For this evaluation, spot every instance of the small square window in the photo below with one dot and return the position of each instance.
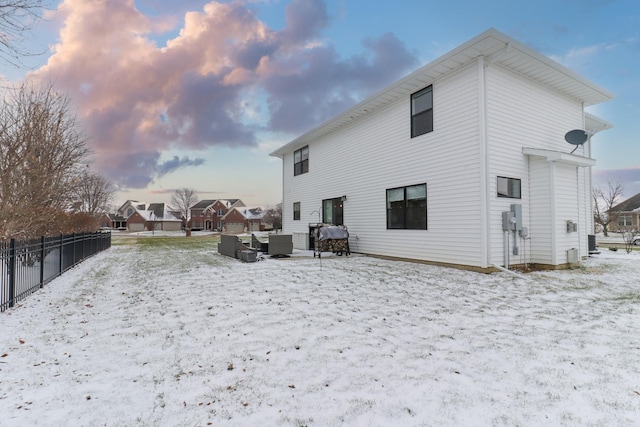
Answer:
(509, 188)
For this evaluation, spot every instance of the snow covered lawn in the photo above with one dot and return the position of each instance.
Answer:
(174, 334)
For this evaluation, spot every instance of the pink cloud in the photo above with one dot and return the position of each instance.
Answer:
(138, 100)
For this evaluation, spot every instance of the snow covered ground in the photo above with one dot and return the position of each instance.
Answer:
(177, 335)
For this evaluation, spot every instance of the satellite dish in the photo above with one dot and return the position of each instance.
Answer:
(576, 137)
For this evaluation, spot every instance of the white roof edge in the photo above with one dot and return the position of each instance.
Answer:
(595, 123)
(605, 94)
(490, 42)
(559, 157)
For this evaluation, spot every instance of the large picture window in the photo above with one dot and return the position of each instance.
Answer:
(407, 207)
(422, 112)
(301, 161)
(509, 187)
(296, 211)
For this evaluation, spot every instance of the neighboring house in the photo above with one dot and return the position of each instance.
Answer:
(244, 219)
(198, 219)
(130, 212)
(118, 222)
(208, 214)
(625, 215)
(137, 221)
(105, 220)
(161, 217)
(155, 216)
(129, 207)
(428, 168)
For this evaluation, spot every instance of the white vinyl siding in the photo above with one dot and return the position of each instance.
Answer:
(521, 113)
(540, 231)
(376, 152)
(365, 159)
(566, 191)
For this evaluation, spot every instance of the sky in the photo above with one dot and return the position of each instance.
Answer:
(196, 93)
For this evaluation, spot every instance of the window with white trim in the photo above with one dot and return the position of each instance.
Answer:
(625, 221)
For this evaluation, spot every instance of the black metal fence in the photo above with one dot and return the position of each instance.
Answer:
(27, 265)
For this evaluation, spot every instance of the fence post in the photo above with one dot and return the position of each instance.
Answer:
(42, 261)
(61, 251)
(12, 273)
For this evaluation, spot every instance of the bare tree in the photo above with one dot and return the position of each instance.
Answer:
(181, 201)
(604, 201)
(17, 17)
(274, 216)
(41, 147)
(93, 192)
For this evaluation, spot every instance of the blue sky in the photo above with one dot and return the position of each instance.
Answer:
(193, 93)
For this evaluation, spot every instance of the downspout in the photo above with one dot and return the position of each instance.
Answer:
(511, 272)
(554, 237)
(589, 190)
(283, 207)
(485, 206)
(579, 208)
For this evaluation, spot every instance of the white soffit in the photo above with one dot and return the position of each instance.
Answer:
(559, 157)
(595, 123)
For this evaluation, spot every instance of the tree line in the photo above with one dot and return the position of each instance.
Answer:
(46, 185)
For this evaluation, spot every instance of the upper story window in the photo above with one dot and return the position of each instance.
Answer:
(422, 112)
(509, 187)
(301, 161)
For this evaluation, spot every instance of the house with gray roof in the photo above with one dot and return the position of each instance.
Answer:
(208, 214)
(625, 215)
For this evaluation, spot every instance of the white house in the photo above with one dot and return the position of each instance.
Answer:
(435, 166)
